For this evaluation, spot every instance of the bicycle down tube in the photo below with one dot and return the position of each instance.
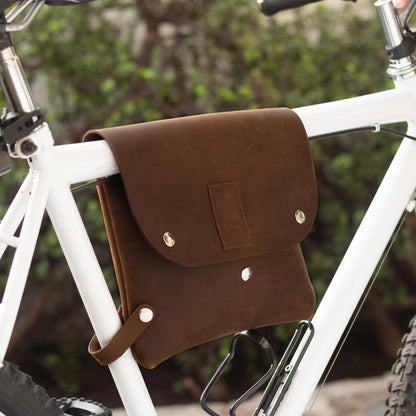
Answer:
(354, 274)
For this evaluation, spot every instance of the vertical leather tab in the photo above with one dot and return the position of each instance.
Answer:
(229, 215)
(122, 341)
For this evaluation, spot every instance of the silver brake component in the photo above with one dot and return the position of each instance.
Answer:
(18, 10)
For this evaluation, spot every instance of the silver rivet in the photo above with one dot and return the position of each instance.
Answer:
(246, 274)
(169, 239)
(300, 216)
(145, 314)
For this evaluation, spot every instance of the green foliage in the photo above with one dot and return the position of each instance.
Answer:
(118, 62)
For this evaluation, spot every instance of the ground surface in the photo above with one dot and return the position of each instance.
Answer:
(351, 397)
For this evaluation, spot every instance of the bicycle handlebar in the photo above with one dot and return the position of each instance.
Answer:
(270, 7)
(5, 4)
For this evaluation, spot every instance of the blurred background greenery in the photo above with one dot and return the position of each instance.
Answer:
(123, 61)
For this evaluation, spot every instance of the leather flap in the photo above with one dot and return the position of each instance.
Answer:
(216, 187)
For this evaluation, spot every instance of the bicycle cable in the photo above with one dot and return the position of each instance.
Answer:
(374, 129)
(92, 183)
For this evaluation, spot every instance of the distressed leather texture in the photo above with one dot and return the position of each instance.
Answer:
(226, 187)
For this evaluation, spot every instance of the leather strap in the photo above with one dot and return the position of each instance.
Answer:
(122, 340)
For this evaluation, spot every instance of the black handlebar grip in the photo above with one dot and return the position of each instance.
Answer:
(270, 7)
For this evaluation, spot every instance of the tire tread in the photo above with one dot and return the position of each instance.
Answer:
(402, 389)
(19, 394)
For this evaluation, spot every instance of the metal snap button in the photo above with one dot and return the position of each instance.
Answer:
(300, 216)
(246, 273)
(145, 314)
(169, 239)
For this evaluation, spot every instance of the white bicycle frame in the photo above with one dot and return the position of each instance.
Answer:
(53, 169)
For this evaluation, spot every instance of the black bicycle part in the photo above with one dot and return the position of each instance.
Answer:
(402, 394)
(16, 128)
(271, 7)
(95, 182)
(283, 375)
(5, 4)
(5, 38)
(406, 48)
(264, 344)
(20, 396)
(75, 406)
(278, 376)
(66, 2)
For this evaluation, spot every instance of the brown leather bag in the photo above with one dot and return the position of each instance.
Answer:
(204, 228)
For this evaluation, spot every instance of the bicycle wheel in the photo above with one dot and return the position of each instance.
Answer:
(402, 389)
(20, 396)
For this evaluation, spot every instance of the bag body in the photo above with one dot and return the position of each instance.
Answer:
(204, 227)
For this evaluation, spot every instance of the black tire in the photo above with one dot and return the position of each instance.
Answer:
(402, 389)
(20, 396)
